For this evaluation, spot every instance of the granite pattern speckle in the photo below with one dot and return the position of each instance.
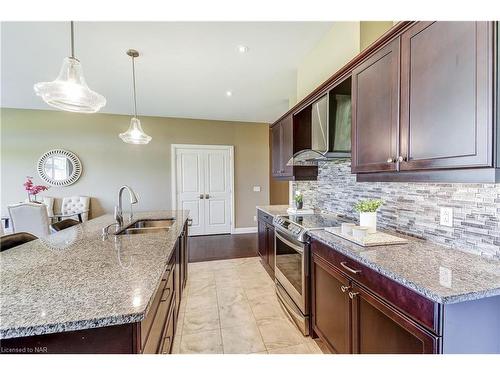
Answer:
(75, 280)
(274, 210)
(439, 273)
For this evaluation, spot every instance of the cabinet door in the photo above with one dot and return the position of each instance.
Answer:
(446, 95)
(378, 328)
(262, 239)
(375, 111)
(276, 150)
(270, 246)
(186, 256)
(331, 306)
(177, 275)
(287, 146)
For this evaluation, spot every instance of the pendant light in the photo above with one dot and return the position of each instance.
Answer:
(69, 91)
(135, 135)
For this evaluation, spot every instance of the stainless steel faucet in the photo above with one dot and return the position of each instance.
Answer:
(119, 209)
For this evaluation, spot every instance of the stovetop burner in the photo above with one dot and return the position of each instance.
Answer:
(315, 221)
(296, 226)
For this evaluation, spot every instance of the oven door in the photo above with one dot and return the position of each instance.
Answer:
(290, 268)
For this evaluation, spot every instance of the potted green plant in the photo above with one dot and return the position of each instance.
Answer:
(299, 200)
(368, 213)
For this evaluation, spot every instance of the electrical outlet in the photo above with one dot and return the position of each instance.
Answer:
(255, 218)
(445, 277)
(446, 217)
(256, 188)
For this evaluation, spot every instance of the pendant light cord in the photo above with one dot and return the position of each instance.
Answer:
(72, 41)
(133, 78)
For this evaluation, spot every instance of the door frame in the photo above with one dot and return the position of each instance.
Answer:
(173, 168)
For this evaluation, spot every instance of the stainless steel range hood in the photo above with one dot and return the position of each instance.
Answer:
(330, 130)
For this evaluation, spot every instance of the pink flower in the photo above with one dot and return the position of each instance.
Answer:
(28, 184)
(33, 189)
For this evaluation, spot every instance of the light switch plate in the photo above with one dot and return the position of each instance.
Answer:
(255, 218)
(446, 216)
(256, 188)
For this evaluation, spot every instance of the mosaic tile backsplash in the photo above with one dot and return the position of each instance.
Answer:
(414, 208)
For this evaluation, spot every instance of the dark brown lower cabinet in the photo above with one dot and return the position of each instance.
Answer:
(262, 239)
(351, 319)
(265, 233)
(378, 328)
(328, 297)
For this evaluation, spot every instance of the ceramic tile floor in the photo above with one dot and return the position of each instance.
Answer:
(230, 306)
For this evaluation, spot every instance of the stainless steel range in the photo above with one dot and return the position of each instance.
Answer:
(291, 248)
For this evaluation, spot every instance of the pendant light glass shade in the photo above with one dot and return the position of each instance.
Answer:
(135, 135)
(69, 91)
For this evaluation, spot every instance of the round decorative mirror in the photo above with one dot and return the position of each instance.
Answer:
(59, 167)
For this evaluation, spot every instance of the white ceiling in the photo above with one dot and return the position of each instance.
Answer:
(184, 69)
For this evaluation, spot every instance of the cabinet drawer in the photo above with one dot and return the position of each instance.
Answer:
(161, 294)
(413, 304)
(153, 341)
(264, 217)
(168, 334)
(168, 291)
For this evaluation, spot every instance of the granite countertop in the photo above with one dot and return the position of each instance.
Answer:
(274, 210)
(75, 280)
(442, 274)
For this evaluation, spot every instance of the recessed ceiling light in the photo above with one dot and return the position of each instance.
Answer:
(229, 93)
(242, 49)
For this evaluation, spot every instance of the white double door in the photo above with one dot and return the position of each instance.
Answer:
(203, 186)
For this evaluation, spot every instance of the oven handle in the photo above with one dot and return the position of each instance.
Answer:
(297, 248)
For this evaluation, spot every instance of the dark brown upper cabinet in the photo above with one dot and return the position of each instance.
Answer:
(424, 105)
(375, 111)
(288, 136)
(276, 142)
(282, 147)
(446, 95)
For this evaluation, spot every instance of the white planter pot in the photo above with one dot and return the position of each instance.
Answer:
(368, 219)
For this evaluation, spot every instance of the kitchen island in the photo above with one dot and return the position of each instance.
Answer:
(78, 292)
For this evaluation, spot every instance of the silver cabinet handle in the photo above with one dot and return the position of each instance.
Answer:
(351, 270)
(344, 288)
(391, 160)
(207, 196)
(201, 196)
(353, 294)
(401, 159)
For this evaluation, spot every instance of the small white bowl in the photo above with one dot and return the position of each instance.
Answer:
(360, 233)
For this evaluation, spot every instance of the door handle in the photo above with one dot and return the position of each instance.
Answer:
(201, 196)
(353, 294)
(352, 270)
(207, 196)
(344, 288)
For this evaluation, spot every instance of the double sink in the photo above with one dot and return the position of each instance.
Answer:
(148, 226)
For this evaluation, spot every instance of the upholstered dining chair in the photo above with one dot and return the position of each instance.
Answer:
(30, 217)
(76, 204)
(49, 203)
(15, 239)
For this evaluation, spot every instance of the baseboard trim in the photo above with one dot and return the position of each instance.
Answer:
(244, 230)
